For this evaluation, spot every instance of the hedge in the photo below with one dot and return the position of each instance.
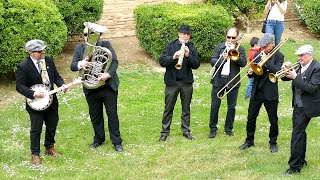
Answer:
(309, 12)
(75, 12)
(23, 20)
(157, 25)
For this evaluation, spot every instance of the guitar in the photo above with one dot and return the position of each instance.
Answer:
(43, 103)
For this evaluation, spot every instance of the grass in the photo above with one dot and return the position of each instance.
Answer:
(141, 103)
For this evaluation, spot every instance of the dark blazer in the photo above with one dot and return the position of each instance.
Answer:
(262, 82)
(78, 54)
(189, 63)
(28, 75)
(234, 65)
(309, 83)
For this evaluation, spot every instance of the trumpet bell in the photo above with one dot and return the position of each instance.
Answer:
(257, 69)
(272, 78)
(178, 66)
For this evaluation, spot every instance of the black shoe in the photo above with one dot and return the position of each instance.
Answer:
(118, 147)
(290, 172)
(212, 134)
(163, 138)
(305, 163)
(188, 136)
(95, 145)
(245, 146)
(229, 133)
(273, 148)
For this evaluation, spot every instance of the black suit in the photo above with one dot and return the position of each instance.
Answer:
(28, 75)
(265, 92)
(106, 95)
(219, 81)
(307, 86)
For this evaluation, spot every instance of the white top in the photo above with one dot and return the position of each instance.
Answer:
(275, 13)
(226, 67)
(305, 67)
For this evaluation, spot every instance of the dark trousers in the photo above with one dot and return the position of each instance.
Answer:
(253, 112)
(171, 94)
(96, 98)
(300, 122)
(215, 106)
(50, 118)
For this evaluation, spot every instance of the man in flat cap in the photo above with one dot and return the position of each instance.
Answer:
(305, 102)
(179, 57)
(39, 70)
(264, 92)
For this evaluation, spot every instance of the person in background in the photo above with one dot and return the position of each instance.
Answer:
(253, 49)
(178, 79)
(40, 69)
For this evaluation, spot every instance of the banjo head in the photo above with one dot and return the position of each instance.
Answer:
(40, 104)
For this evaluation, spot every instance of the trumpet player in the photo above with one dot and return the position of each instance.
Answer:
(305, 101)
(178, 79)
(229, 69)
(264, 92)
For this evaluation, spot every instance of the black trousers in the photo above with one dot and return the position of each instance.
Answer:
(215, 106)
(171, 94)
(50, 118)
(300, 122)
(253, 112)
(96, 98)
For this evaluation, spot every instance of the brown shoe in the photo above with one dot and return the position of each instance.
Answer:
(52, 152)
(35, 159)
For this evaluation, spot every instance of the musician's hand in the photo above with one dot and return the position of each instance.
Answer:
(176, 55)
(225, 56)
(286, 65)
(250, 71)
(104, 76)
(38, 94)
(64, 88)
(291, 75)
(263, 56)
(186, 51)
(85, 64)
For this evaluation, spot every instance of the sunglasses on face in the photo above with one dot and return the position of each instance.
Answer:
(86, 34)
(231, 37)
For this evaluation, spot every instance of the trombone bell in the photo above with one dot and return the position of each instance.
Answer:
(256, 68)
(233, 54)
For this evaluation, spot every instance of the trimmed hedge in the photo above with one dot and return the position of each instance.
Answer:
(23, 20)
(309, 12)
(157, 24)
(75, 12)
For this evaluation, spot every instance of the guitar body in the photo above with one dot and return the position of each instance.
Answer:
(40, 104)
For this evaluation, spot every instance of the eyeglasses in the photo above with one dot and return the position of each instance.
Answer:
(38, 51)
(86, 34)
(229, 37)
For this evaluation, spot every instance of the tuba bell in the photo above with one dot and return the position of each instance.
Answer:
(100, 57)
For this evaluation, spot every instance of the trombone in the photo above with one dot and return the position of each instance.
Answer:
(251, 67)
(282, 73)
(233, 54)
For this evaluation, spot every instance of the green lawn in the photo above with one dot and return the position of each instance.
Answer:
(141, 102)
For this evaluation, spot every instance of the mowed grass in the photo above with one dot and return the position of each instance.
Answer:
(140, 106)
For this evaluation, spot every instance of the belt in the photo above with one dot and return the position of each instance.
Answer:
(224, 76)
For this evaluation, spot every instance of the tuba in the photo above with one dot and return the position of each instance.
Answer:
(100, 57)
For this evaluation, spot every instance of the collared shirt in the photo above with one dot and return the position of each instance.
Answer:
(35, 62)
(305, 67)
(226, 67)
(275, 13)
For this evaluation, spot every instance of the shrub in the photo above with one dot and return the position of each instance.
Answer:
(23, 20)
(309, 11)
(75, 12)
(157, 25)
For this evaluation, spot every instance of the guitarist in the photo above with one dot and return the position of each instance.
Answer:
(39, 69)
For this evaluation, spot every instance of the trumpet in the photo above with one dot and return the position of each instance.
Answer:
(233, 54)
(282, 73)
(223, 92)
(181, 56)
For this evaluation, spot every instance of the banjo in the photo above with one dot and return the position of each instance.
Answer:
(43, 103)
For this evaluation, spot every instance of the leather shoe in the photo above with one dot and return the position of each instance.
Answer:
(52, 152)
(35, 159)
(188, 136)
(212, 134)
(95, 145)
(118, 147)
(273, 148)
(245, 146)
(229, 133)
(163, 138)
(290, 172)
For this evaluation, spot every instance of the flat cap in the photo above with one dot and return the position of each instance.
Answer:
(305, 49)
(185, 29)
(266, 39)
(35, 45)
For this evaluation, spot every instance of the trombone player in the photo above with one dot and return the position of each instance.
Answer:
(264, 91)
(229, 69)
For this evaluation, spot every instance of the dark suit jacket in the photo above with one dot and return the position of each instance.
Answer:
(78, 54)
(262, 82)
(234, 65)
(28, 75)
(189, 63)
(309, 83)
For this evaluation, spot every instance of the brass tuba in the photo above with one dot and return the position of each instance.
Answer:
(100, 57)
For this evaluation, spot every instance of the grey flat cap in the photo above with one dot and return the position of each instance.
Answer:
(266, 39)
(35, 45)
(305, 49)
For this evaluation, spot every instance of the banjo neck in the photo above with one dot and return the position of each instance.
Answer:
(76, 81)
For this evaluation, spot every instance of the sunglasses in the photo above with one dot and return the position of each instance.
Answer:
(229, 37)
(38, 51)
(86, 34)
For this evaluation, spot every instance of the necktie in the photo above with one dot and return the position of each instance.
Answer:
(39, 66)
